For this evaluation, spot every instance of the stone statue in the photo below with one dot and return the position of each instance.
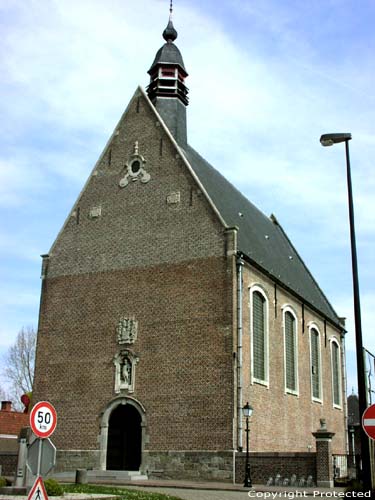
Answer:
(126, 371)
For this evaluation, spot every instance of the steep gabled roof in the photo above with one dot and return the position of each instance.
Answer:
(261, 239)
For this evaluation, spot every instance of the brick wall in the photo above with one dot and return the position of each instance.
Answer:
(8, 462)
(163, 264)
(266, 465)
(282, 421)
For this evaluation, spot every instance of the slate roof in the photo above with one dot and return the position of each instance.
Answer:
(260, 238)
(168, 54)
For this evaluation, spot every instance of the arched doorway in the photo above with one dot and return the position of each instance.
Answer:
(124, 438)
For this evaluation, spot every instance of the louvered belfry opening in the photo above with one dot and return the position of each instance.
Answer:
(168, 80)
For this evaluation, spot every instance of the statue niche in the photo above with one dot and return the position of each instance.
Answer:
(125, 362)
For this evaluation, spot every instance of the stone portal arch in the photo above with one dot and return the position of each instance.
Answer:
(119, 413)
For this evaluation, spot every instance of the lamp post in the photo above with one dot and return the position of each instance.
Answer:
(351, 433)
(247, 412)
(329, 140)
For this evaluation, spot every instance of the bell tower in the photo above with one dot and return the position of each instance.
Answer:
(167, 90)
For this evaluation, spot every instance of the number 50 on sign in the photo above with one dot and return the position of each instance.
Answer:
(43, 419)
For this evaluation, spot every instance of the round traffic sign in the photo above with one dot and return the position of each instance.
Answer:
(368, 421)
(43, 419)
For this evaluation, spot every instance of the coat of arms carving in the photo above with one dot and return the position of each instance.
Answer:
(127, 330)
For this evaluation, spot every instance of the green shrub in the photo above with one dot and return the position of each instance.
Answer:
(53, 488)
(3, 482)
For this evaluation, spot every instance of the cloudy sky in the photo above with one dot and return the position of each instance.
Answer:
(267, 78)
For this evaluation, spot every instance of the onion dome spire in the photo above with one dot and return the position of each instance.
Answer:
(170, 34)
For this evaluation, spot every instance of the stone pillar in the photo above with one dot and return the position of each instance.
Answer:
(103, 440)
(324, 466)
(20, 479)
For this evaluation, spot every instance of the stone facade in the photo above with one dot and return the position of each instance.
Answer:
(193, 465)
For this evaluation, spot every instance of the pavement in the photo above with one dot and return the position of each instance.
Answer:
(188, 490)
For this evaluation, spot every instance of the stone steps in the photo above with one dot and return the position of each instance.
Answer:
(102, 475)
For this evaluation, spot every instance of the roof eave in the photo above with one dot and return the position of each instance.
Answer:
(280, 283)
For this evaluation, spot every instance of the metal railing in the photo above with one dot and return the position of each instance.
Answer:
(346, 467)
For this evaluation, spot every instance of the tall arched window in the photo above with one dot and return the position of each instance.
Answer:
(336, 373)
(290, 352)
(259, 335)
(316, 389)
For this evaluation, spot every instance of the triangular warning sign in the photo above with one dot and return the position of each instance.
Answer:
(38, 491)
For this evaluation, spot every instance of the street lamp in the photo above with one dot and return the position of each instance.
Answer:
(247, 412)
(329, 140)
(351, 432)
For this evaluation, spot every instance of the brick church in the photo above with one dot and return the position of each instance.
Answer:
(169, 301)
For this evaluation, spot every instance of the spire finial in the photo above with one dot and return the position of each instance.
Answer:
(170, 34)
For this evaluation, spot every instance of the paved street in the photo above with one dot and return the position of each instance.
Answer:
(194, 494)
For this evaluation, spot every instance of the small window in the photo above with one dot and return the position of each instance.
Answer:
(259, 341)
(290, 352)
(336, 373)
(315, 364)
(135, 166)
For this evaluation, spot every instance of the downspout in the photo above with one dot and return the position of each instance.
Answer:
(240, 265)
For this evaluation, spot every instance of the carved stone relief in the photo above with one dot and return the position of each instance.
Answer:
(127, 330)
(135, 169)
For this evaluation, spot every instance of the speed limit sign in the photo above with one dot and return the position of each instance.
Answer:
(43, 419)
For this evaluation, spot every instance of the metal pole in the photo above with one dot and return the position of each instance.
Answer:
(353, 445)
(39, 457)
(365, 450)
(247, 482)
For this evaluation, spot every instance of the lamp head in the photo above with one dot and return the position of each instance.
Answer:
(247, 410)
(331, 139)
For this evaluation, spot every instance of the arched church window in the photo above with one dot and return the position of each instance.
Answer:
(315, 363)
(290, 352)
(259, 335)
(336, 373)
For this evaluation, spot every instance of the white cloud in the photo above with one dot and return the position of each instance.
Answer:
(263, 90)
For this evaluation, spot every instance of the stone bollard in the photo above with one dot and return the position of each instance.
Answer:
(324, 468)
(81, 476)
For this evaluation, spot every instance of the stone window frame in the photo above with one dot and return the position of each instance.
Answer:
(333, 340)
(313, 326)
(254, 380)
(288, 309)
